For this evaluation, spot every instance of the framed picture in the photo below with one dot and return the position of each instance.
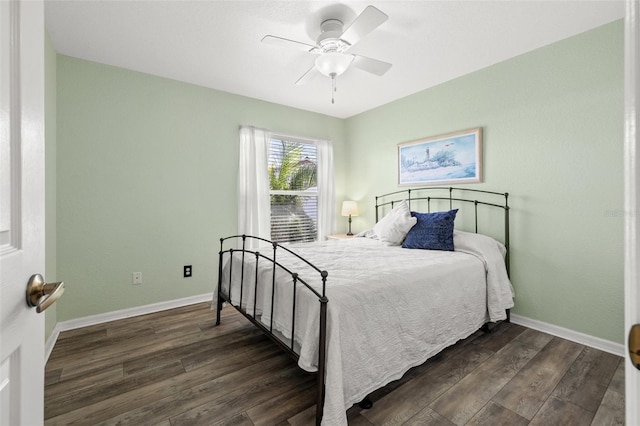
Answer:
(451, 158)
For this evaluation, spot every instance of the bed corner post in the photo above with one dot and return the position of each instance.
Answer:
(506, 233)
(218, 296)
(506, 241)
(322, 343)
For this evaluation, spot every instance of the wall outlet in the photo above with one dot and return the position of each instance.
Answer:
(137, 278)
(187, 271)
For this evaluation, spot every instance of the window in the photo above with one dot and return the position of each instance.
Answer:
(293, 189)
(285, 183)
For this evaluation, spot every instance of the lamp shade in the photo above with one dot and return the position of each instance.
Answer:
(349, 208)
(333, 64)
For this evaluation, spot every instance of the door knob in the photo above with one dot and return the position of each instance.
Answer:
(41, 294)
(634, 345)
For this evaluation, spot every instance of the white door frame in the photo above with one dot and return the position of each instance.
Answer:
(632, 200)
(22, 209)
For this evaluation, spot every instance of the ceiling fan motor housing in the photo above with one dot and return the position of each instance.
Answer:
(329, 39)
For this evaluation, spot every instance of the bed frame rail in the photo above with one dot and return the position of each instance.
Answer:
(296, 281)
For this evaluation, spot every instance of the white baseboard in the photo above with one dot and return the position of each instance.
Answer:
(117, 315)
(51, 342)
(574, 336)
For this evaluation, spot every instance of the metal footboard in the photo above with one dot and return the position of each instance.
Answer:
(250, 314)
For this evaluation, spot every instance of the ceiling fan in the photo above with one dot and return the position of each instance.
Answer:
(333, 45)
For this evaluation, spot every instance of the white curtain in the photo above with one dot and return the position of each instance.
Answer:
(326, 191)
(254, 207)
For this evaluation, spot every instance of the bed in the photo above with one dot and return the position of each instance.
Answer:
(361, 312)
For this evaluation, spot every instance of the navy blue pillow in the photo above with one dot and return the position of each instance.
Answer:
(433, 231)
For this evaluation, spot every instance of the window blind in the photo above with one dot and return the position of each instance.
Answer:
(293, 190)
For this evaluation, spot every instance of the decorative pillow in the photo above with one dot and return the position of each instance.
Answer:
(393, 228)
(434, 231)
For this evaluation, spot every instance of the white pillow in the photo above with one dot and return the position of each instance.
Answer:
(393, 228)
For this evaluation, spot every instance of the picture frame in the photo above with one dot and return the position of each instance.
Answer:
(445, 159)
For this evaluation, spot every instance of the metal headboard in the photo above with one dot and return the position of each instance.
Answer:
(477, 197)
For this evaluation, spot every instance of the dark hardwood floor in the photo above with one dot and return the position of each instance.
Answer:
(175, 367)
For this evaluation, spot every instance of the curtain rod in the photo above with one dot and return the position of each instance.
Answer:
(284, 135)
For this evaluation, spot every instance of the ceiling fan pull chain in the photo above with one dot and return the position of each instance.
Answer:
(333, 87)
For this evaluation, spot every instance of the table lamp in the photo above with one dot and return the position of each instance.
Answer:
(349, 208)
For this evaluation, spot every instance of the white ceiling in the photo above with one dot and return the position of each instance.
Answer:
(217, 44)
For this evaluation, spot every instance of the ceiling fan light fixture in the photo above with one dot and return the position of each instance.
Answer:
(333, 64)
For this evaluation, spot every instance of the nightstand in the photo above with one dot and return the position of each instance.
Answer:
(339, 236)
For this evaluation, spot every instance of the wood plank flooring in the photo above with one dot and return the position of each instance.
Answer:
(176, 368)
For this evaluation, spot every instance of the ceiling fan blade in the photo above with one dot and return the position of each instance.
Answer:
(373, 66)
(285, 42)
(370, 19)
(309, 75)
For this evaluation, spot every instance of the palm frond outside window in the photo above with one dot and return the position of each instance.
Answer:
(293, 190)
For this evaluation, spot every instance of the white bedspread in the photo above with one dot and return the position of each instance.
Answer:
(389, 308)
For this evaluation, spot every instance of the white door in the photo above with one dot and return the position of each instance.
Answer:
(632, 200)
(21, 209)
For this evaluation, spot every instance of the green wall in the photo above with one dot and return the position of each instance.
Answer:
(553, 139)
(147, 181)
(146, 175)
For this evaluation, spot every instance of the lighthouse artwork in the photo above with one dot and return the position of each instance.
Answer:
(451, 158)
